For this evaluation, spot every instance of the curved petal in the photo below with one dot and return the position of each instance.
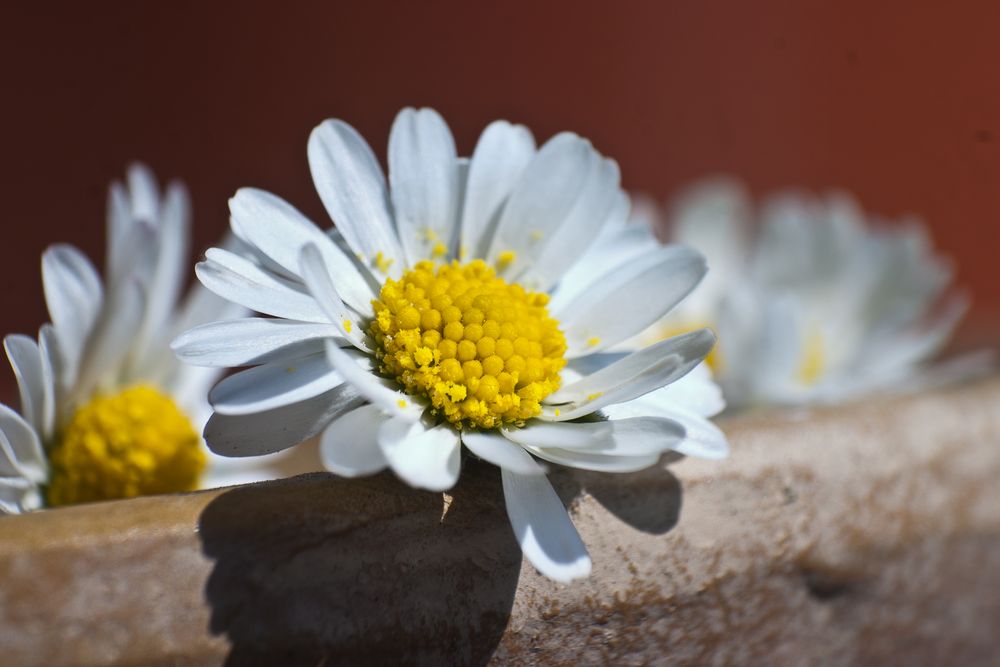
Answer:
(701, 438)
(280, 428)
(561, 248)
(26, 457)
(111, 340)
(375, 389)
(54, 378)
(239, 280)
(349, 446)
(144, 193)
(501, 155)
(423, 175)
(250, 341)
(695, 392)
(584, 460)
(501, 452)
(317, 279)
(630, 300)
(18, 495)
(542, 527)
(687, 349)
(73, 294)
(273, 385)
(119, 218)
(279, 230)
(426, 458)
(611, 252)
(350, 182)
(632, 436)
(25, 358)
(542, 200)
(169, 271)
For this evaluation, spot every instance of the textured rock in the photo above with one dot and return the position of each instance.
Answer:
(860, 535)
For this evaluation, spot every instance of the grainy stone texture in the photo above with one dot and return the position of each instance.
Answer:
(863, 535)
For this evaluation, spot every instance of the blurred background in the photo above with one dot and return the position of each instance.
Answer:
(897, 102)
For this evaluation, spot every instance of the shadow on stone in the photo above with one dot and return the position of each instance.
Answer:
(648, 500)
(322, 570)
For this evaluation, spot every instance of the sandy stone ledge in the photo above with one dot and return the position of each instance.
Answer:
(863, 535)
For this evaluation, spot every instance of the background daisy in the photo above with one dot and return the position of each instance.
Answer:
(813, 301)
(425, 321)
(106, 409)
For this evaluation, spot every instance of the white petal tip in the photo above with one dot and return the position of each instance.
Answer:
(566, 573)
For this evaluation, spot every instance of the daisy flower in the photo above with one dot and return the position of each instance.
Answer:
(812, 301)
(441, 312)
(106, 409)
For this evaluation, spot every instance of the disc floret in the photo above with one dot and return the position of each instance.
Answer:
(483, 352)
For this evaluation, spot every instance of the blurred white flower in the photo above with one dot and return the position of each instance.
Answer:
(812, 301)
(106, 409)
(424, 323)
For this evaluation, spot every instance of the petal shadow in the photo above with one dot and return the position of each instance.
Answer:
(648, 500)
(321, 570)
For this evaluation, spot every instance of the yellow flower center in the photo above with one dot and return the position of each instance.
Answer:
(132, 443)
(813, 361)
(482, 352)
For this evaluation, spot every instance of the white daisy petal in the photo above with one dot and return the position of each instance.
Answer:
(237, 279)
(695, 392)
(144, 194)
(501, 155)
(426, 458)
(73, 294)
(661, 373)
(250, 341)
(280, 428)
(377, 390)
(200, 306)
(501, 452)
(702, 438)
(630, 299)
(350, 182)
(109, 344)
(543, 528)
(349, 446)
(541, 201)
(53, 378)
(689, 349)
(17, 494)
(26, 361)
(279, 230)
(317, 280)
(24, 449)
(584, 460)
(915, 346)
(611, 251)
(274, 385)
(171, 265)
(423, 174)
(562, 248)
(634, 436)
(119, 219)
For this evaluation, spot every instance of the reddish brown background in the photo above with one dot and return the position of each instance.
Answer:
(895, 102)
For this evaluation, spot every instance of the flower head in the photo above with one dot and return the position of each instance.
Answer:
(444, 310)
(813, 301)
(106, 409)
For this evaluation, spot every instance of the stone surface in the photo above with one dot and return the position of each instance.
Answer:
(860, 535)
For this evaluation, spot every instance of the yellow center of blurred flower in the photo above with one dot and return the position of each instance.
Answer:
(813, 361)
(132, 443)
(483, 352)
